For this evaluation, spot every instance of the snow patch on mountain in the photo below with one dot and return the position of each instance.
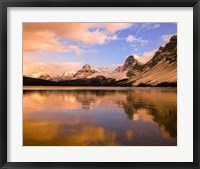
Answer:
(40, 75)
(87, 71)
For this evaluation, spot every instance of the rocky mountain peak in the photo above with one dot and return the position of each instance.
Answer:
(173, 38)
(171, 45)
(130, 57)
(130, 61)
(130, 68)
(161, 48)
(87, 66)
(40, 75)
(87, 71)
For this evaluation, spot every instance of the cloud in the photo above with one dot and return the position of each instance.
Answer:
(109, 68)
(147, 26)
(165, 38)
(112, 38)
(114, 27)
(46, 41)
(52, 69)
(156, 26)
(132, 39)
(45, 36)
(146, 56)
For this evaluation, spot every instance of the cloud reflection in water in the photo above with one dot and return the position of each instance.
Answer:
(128, 117)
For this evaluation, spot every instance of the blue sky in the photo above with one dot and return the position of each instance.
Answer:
(97, 44)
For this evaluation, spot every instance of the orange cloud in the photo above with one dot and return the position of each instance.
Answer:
(45, 36)
(46, 41)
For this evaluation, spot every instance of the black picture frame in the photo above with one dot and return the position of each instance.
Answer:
(4, 4)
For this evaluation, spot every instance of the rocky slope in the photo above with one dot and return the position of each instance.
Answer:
(162, 68)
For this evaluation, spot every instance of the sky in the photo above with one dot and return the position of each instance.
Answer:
(56, 48)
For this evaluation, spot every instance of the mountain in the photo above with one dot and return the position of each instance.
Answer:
(88, 75)
(131, 67)
(40, 75)
(68, 75)
(63, 76)
(95, 81)
(161, 69)
(165, 54)
(87, 71)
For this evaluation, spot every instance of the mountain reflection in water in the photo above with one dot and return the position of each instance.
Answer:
(81, 116)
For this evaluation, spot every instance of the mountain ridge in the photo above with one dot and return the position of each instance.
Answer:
(160, 70)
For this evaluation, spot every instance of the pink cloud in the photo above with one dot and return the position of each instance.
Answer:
(45, 36)
(46, 41)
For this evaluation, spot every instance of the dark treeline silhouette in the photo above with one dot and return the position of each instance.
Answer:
(97, 81)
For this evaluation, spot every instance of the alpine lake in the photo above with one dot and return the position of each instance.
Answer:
(99, 116)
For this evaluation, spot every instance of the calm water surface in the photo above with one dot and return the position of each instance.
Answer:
(99, 116)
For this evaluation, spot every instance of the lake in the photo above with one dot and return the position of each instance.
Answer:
(99, 116)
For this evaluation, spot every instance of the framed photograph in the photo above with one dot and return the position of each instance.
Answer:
(100, 84)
